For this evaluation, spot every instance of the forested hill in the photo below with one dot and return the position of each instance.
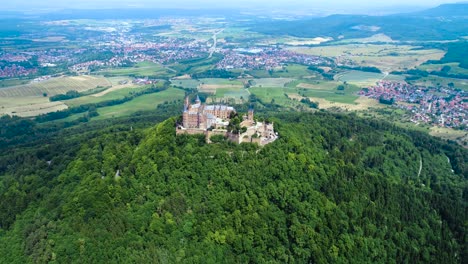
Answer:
(332, 189)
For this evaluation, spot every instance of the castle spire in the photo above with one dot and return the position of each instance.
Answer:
(186, 103)
(197, 101)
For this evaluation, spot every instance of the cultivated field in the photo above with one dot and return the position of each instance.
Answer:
(143, 69)
(213, 88)
(112, 95)
(451, 134)
(366, 78)
(360, 104)
(385, 57)
(436, 81)
(55, 86)
(454, 68)
(28, 106)
(235, 95)
(271, 82)
(141, 103)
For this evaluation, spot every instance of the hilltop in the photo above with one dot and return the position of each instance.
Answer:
(332, 188)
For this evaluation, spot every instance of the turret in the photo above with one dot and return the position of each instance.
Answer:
(197, 101)
(250, 115)
(186, 103)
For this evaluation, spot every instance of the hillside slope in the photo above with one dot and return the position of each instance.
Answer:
(332, 189)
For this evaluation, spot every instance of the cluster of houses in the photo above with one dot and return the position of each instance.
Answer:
(437, 105)
(16, 71)
(263, 58)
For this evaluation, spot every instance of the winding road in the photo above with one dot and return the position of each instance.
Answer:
(215, 42)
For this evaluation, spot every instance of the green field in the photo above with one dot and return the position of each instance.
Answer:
(55, 86)
(196, 65)
(13, 82)
(142, 69)
(110, 96)
(366, 78)
(454, 68)
(225, 94)
(194, 84)
(437, 81)
(333, 96)
(141, 103)
(290, 71)
(274, 95)
(271, 82)
(387, 57)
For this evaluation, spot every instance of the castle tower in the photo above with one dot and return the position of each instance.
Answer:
(185, 119)
(197, 101)
(250, 115)
(186, 103)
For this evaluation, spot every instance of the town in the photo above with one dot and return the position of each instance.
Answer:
(442, 106)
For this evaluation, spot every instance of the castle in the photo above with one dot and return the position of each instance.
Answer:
(212, 120)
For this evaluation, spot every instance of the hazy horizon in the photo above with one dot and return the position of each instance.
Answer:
(26, 5)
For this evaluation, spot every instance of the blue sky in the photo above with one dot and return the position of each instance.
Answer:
(291, 4)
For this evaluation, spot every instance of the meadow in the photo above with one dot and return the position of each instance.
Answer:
(55, 86)
(118, 94)
(28, 106)
(366, 78)
(141, 103)
(142, 69)
(271, 82)
(454, 68)
(436, 81)
(386, 57)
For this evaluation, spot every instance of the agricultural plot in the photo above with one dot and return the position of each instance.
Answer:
(55, 86)
(290, 71)
(366, 78)
(28, 106)
(328, 90)
(117, 94)
(454, 68)
(271, 82)
(332, 96)
(274, 95)
(143, 69)
(360, 104)
(436, 81)
(450, 134)
(141, 103)
(238, 95)
(385, 57)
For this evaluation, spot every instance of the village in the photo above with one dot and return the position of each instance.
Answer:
(442, 106)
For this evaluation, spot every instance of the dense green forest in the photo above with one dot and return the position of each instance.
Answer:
(332, 189)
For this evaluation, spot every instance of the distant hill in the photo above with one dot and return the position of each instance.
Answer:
(423, 26)
(446, 10)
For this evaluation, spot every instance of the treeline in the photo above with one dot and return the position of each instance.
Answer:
(362, 68)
